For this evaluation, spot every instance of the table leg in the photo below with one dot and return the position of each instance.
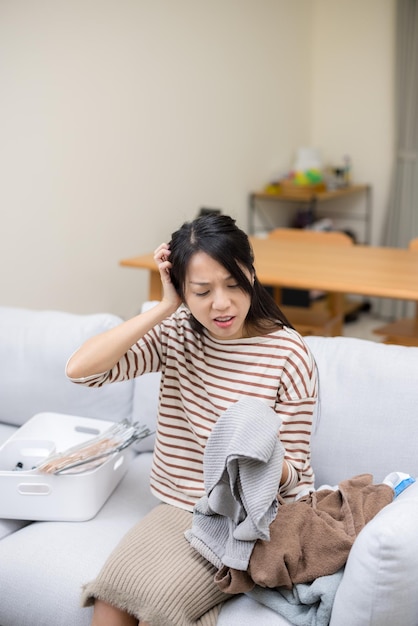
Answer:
(336, 307)
(277, 295)
(155, 288)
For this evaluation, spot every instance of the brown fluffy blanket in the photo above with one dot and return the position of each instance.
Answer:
(311, 537)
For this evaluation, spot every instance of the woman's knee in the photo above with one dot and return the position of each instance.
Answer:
(105, 614)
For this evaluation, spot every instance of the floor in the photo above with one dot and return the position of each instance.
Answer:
(362, 319)
(363, 326)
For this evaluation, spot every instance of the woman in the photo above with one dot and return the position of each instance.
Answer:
(216, 336)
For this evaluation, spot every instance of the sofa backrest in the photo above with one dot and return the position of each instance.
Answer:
(34, 349)
(368, 409)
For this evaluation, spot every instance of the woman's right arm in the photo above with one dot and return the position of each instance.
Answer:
(100, 353)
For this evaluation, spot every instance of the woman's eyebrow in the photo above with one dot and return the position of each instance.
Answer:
(204, 282)
(198, 282)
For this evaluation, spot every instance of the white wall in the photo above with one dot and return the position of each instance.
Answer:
(353, 94)
(120, 118)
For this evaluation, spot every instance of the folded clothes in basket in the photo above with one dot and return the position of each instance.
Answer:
(93, 452)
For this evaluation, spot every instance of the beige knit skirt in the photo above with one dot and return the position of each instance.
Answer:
(155, 575)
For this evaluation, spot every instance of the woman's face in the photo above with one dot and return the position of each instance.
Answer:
(215, 299)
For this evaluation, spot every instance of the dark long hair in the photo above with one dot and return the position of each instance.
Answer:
(220, 238)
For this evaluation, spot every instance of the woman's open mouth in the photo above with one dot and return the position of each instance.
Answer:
(224, 322)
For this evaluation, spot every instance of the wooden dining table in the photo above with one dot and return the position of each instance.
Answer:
(372, 271)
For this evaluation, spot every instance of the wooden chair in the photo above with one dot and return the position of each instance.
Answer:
(403, 331)
(319, 318)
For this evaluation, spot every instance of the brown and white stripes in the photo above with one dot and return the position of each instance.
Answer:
(201, 378)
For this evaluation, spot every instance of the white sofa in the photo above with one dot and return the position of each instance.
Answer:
(368, 422)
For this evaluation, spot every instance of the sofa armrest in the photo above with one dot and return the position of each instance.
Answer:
(379, 583)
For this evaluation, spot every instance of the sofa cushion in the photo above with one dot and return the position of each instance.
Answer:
(44, 565)
(6, 431)
(367, 412)
(10, 526)
(35, 346)
(145, 407)
(379, 583)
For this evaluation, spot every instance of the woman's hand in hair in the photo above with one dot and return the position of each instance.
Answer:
(161, 258)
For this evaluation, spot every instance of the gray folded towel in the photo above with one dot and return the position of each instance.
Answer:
(242, 465)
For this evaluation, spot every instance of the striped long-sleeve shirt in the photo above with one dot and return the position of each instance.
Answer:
(201, 378)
